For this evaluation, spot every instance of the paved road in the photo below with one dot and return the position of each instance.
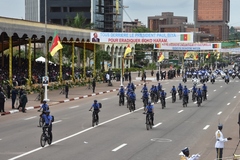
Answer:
(122, 135)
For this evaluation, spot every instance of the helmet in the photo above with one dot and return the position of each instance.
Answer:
(220, 126)
(180, 84)
(185, 86)
(173, 86)
(144, 84)
(152, 85)
(95, 101)
(149, 102)
(44, 101)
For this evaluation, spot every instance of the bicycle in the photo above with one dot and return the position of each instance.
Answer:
(95, 119)
(62, 91)
(163, 102)
(45, 137)
(131, 107)
(173, 97)
(121, 100)
(149, 123)
(184, 101)
(180, 94)
(199, 101)
(204, 95)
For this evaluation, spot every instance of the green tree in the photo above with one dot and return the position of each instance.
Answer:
(79, 21)
(101, 57)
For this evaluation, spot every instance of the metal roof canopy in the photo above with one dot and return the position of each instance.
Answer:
(21, 30)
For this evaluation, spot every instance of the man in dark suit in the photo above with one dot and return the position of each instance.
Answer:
(66, 90)
(95, 37)
(45, 80)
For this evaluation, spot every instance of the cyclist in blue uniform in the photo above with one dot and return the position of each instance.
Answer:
(204, 89)
(173, 90)
(44, 107)
(96, 108)
(199, 94)
(145, 96)
(150, 110)
(132, 97)
(48, 122)
(144, 88)
(185, 93)
(121, 93)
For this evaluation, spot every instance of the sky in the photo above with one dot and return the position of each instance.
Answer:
(137, 9)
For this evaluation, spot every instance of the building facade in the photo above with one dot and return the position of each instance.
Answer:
(213, 19)
(129, 26)
(32, 10)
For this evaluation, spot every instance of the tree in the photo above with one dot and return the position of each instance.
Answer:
(102, 56)
(79, 21)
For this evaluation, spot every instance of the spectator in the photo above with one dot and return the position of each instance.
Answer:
(8, 91)
(66, 90)
(14, 96)
(93, 85)
(23, 101)
(2, 100)
(157, 75)
(129, 77)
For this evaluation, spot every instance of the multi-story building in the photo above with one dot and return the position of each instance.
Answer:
(32, 10)
(158, 23)
(129, 26)
(212, 17)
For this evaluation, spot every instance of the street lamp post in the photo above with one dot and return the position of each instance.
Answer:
(46, 53)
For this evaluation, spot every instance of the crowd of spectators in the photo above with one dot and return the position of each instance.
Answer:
(20, 71)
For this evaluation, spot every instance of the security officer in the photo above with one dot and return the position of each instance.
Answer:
(219, 145)
(185, 155)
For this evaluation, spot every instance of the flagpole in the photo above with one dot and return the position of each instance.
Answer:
(46, 53)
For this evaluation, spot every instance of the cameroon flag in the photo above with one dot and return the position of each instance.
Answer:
(185, 37)
(55, 45)
(161, 57)
(128, 50)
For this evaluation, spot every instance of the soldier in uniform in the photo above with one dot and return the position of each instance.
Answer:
(219, 145)
(185, 155)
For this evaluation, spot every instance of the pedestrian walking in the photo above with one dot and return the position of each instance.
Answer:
(129, 77)
(66, 90)
(23, 100)
(2, 100)
(157, 75)
(93, 85)
(14, 97)
(219, 145)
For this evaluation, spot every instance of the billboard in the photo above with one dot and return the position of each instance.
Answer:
(147, 38)
(187, 46)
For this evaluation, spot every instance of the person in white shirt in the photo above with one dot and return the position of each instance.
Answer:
(219, 145)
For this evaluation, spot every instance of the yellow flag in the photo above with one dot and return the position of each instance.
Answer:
(128, 50)
(161, 57)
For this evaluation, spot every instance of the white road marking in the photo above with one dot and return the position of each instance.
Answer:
(219, 113)
(239, 92)
(228, 104)
(73, 135)
(104, 99)
(206, 127)
(0, 139)
(56, 122)
(221, 86)
(157, 125)
(30, 118)
(180, 111)
(214, 90)
(234, 96)
(74, 107)
(119, 147)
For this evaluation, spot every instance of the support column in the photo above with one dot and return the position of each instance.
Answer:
(73, 77)
(10, 60)
(2, 52)
(60, 66)
(84, 59)
(29, 63)
(94, 60)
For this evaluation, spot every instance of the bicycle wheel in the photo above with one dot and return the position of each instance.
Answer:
(49, 140)
(41, 121)
(147, 125)
(43, 140)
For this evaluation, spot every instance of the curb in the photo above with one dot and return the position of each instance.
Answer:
(66, 100)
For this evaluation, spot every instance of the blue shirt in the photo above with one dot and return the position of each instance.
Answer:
(199, 93)
(144, 88)
(145, 94)
(159, 87)
(45, 107)
(173, 90)
(149, 108)
(180, 87)
(163, 94)
(204, 88)
(194, 89)
(121, 91)
(132, 96)
(95, 106)
(47, 119)
(185, 92)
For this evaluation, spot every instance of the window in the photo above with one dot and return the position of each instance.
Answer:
(55, 9)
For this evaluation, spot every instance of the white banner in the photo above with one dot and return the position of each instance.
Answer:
(148, 38)
(188, 46)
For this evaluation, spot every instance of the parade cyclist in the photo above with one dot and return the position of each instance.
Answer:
(96, 109)
(150, 110)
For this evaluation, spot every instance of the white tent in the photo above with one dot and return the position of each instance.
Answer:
(42, 59)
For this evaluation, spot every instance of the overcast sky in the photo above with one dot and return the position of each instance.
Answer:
(138, 9)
